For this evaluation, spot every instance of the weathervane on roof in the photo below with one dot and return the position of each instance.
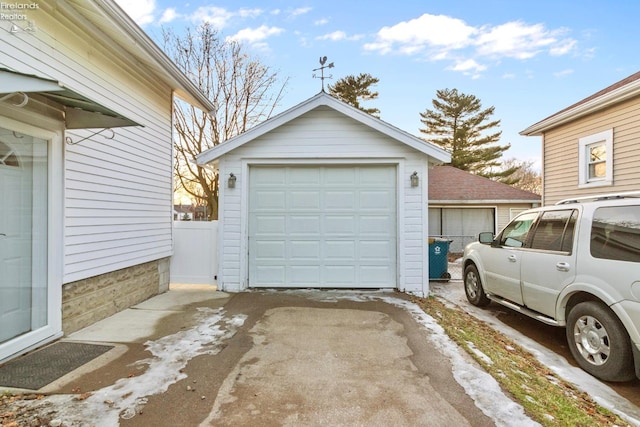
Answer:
(323, 61)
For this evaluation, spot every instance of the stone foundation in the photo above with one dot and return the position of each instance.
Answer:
(89, 300)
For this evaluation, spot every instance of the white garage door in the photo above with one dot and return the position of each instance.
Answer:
(332, 226)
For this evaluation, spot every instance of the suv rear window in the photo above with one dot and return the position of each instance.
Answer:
(554, 231)
(615, 233)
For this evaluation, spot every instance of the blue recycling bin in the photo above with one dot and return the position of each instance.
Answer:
(439, 259)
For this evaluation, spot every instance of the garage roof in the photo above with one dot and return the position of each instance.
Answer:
(323, 99)
(451, 185)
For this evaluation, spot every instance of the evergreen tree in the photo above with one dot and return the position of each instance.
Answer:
(458, 123)
(354, 89)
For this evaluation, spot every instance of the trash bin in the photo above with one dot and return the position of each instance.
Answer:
(439, 259)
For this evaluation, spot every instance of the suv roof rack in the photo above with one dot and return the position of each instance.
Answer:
(597, 197)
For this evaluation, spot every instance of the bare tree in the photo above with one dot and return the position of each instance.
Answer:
(526, 176)
(244, 91)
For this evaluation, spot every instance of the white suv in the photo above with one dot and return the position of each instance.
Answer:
(574, 264)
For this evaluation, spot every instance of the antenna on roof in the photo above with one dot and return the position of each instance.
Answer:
(323, 60)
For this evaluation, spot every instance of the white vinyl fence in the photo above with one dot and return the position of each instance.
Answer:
(195, 255)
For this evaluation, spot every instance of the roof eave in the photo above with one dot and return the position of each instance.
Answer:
(616, 96)
(183, 87)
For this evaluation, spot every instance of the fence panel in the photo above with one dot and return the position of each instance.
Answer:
(195, 252)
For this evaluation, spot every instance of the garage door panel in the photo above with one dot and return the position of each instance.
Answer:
(270, 200)
(375, 274)
(374, 250)
(340, 275)
(378, 176)
(305, 250)
(308, 225)
(371, 225)
(343, 177)
(377, 199)
(304, 275)
(337, 225)
(340, 225)
(270, 250)
(340, 200)
(270, 177)
(269, 275)
(304, 176)
(344, 250)
(269, 224)
(304, 200)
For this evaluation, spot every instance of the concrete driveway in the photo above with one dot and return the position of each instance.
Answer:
(273, 358)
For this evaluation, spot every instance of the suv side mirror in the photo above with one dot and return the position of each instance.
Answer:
(485, 237)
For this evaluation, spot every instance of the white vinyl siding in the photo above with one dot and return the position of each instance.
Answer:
(117, 191)
(327, 137)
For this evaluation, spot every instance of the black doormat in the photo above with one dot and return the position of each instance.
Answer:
(39, 368)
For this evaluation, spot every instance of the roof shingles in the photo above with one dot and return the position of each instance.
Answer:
(449, 183)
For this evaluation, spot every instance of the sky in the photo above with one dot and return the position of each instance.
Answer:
(213, 327)
(527, 59)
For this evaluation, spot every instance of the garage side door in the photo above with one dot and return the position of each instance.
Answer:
(331, 226)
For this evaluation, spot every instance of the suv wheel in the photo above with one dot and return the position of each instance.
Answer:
(599, 343)
(473, 287)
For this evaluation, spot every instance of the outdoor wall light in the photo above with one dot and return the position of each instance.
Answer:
(231, 183)
(415, 180)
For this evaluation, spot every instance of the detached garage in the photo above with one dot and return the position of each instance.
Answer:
(323, 195)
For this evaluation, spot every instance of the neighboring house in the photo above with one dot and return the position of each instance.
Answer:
(85, 168)
(189, 213)
(322, 195)
(462, 204)
(591, 147)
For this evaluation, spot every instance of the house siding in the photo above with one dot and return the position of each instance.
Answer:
(324, 136)
(561, 149)
(117, 191)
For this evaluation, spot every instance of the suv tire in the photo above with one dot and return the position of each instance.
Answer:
(599, 342)
(473, 287)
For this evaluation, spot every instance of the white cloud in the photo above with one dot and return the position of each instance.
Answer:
(216, 16)
(425, 32)
(322, 21)
(140, 11)
(519, 40)
(300, 11)
(254, 35)
(444, 38)
(338, 35)
(169, 15)
(468, 65)
(249, 13)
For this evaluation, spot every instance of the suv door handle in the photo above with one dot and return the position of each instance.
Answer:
(563, 266)
(512, 258)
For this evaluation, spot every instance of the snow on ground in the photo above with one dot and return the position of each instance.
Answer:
(170, 355)
(600, 392)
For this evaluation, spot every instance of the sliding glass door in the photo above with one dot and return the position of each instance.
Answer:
(24, 163)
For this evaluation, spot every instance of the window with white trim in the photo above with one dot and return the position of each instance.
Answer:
(596, 159)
